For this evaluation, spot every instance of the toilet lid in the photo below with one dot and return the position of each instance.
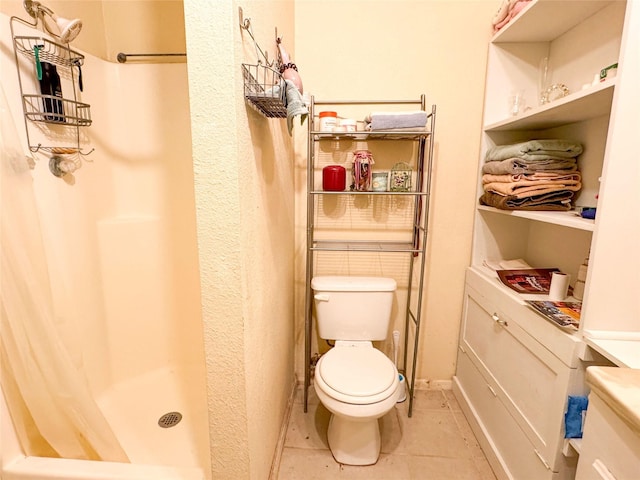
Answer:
(356, 371)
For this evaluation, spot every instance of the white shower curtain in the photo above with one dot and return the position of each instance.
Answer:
(51, 406)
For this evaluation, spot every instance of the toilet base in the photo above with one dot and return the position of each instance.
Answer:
(354, 442)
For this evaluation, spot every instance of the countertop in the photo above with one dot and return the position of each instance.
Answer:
(620, 389)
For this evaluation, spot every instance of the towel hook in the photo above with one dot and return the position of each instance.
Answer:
(245, 24)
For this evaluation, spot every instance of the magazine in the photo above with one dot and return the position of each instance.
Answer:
(530, 280)
(563, 314)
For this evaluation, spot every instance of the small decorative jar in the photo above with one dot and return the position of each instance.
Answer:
(361, 170)
(349, 124)
(328, 120)
(400, 178)
(379, 181)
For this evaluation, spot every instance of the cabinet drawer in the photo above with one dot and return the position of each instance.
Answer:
(610, 449)
(515, 452)
(531, 382)
(564, 345)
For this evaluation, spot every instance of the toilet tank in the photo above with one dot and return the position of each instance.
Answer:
(353, 308)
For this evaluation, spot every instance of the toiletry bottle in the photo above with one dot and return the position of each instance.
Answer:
(50, 85)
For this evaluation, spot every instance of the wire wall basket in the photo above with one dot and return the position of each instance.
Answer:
(47, 51)
(52, 109)
(262, 89)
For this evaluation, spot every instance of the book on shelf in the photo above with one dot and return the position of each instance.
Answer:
(528, 280)
(563, 314)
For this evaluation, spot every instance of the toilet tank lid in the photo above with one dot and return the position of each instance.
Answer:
(353, 284)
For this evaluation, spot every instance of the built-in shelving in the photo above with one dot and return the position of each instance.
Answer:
(546, 20)
(578, 38)
(589, 103)
(565, 219)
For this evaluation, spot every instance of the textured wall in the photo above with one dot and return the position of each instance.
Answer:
(243, 166)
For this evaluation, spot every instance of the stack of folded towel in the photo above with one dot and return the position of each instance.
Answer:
(533, 175)
(508, 9)
(396, 120)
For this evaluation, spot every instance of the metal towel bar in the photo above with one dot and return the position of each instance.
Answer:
(122, 57)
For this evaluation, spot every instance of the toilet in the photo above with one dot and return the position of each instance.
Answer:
(354, 380)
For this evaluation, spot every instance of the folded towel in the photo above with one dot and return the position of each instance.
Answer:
(294, 104)
(367, 127)
(526, 189)
(545, 149)
(517, 165)
(389, 120)
(559, 201)
(538, 177)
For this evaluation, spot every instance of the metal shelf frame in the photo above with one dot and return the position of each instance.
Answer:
(415, 249)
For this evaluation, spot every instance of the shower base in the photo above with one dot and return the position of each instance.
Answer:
(134, 407)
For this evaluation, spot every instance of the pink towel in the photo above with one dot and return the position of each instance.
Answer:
(514, 9)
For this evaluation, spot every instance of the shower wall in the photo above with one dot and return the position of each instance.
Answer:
(120, 232)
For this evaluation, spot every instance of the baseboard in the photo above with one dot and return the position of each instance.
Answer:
(277, 455)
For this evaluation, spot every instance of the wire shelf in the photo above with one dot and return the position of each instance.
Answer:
(56, 110)
(262, 89)
(48, 51)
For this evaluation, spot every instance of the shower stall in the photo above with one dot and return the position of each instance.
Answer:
(102, 336)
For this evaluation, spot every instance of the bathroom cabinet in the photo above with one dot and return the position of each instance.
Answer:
(515, 369)
(610, 446)
(370, 233)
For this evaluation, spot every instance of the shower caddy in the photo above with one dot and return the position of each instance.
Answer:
(76, 114)
(414, 248)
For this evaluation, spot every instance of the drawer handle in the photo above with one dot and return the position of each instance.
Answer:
(496, 318)
(602, 470)
(492, 390)
(540, 457)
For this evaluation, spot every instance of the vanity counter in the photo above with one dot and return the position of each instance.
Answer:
(619, 388)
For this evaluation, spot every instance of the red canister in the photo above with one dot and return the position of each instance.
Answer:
(334, 178)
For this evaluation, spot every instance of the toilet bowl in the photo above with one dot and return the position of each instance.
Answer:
(358, 384)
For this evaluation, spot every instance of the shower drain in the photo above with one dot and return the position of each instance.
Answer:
(170, 419)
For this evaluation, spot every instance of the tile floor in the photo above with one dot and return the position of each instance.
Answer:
(436, 443)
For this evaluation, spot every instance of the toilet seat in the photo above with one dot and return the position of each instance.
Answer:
(356, 375)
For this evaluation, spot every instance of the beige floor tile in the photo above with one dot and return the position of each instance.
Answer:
(451, 399)
(468, 435)
(432, 433)
(428, 400)
(312, 398)
(308, 430)
(305, 464)
(391, 467)
(441, 468)
(486, 473)
(436, 443)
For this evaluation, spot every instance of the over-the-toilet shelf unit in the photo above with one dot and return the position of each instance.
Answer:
(65, 124)
(515, 369)
(402, 239)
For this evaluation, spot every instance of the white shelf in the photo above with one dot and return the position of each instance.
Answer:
(545, 20)
(565, 219)
(583, 105)
(622, 348)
